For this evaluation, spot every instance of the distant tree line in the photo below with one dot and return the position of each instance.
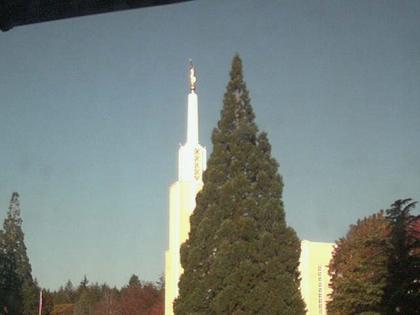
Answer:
(376, 267)
(19, 292)
(136, 298)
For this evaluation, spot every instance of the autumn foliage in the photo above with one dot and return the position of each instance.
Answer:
(375, 268)
(359, 267)
(137, 298)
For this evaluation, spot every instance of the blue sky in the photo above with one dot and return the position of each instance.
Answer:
(93, 109)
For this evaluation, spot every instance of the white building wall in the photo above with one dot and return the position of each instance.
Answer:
(314, 286)
(191, 164)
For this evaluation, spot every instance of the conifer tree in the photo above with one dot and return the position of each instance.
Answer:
(10, 284)
(403, 287)
(134, 281)
(3, 274)
(241, 257)
(14, 250)
(83, 305)
(69, 292)
(11, 296)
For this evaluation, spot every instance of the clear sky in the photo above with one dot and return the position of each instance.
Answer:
(92, 111)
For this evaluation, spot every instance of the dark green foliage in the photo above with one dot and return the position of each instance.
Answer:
(84, 304)
(48, 303)
(10, 283)
(87, 297)
(84, 283)
(241, 257)
(403, 290)
(134, 280)
(3, 274)
(21, 292)
(30, 293)
(359, 268)
(14, 238)
(66, 295)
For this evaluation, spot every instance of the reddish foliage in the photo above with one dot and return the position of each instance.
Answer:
(157, 309)
(109, 305)
(414, 228)
(414, 232)
(139, 300)
(63, 309)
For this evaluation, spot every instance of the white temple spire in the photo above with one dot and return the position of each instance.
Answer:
(192, 122)
(193, 78)
(191, 164)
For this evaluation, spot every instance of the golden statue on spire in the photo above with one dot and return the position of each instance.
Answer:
(193, 78)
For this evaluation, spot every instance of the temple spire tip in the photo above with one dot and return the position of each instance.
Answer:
(193, 78)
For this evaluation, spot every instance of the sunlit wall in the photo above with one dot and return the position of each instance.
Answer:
(314, 260)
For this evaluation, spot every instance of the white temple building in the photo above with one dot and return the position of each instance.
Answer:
(191, 164)
(313, 267)
(315, 256)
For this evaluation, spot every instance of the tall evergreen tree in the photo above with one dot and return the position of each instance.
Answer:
(10, 283)
(359, 268)
(241, 257)
(14, 249)
(403, 288)
(134, 281)
(3, 274)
